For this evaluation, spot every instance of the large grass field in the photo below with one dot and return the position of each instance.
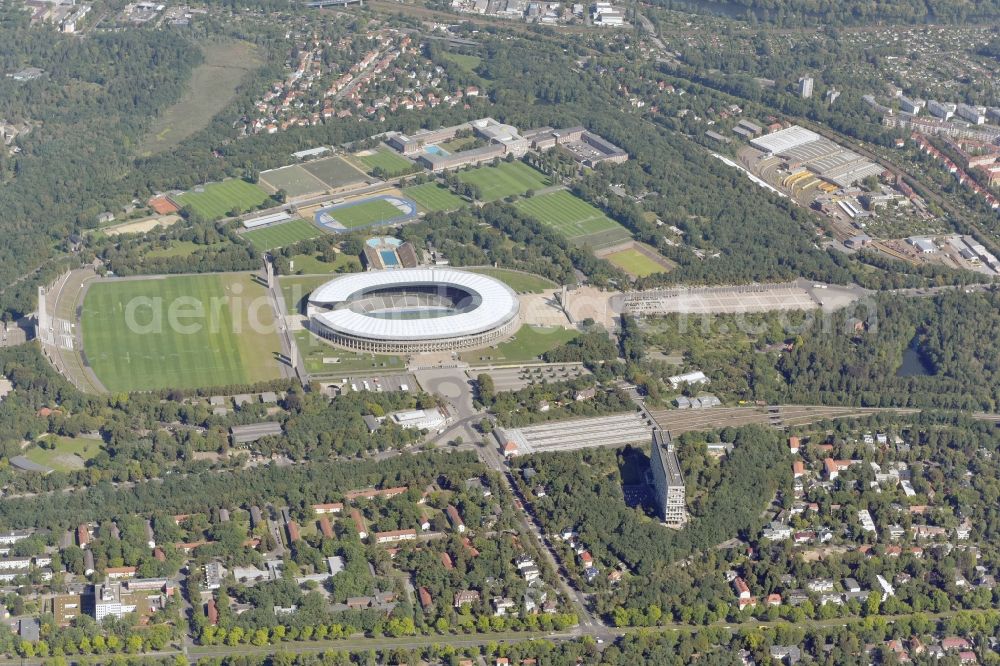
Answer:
(571, 217)
(433, 197)
(321, 358)
(218, 199)
(635, 263)
(148, 334)
(70, 453)
(507, 179)
(365, 214)
(528, 343)
(211, 87)
(392, 163)
(294, 180)
(281, 235)
(522, 283)
(334, 171)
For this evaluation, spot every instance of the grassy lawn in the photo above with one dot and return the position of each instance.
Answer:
(294, 180)
(365, 214)
(296, 288)
(220, 198)
(307, 264)
(70, 453)
(280, 235)
(572, 217)
(341, 361)
(334, 171)
(635, 263)
(522, 283)
(433, 197)
(212, 86)
(528, 343)
(507, 179)
(466, 62)
(184, 331)
(392, 163)
(458, 144)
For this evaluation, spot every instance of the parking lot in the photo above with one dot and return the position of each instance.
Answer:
(515, 379)
(378, 383)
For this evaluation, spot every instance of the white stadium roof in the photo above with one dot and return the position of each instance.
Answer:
(786, 139)
(497, 305)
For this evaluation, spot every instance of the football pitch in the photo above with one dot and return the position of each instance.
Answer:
(635, 263)
(574, 218)
(433, 197)
(365, 214)
(282, 235)
(334, 171)
(507, 179)
(391, 163)
(186, 331)
(218, 199)
(294, 180)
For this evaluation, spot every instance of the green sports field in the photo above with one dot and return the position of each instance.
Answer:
(294, 180)
(282, 235)
(219, 199)
(522, 283)
(391, 163)
(184, 331)
(635, 263)
(507, 179)
(574, 218)
(334, 171)
(365, 214)
(433, 197)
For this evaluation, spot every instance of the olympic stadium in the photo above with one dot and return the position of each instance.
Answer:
(413, 310)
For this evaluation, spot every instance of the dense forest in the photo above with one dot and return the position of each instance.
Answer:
(93, 101)
(952, 334)
(839, 12)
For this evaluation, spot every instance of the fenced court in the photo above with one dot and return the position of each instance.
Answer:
(294, 180)
(216, 200)
(334, 171)
(298, 180)
(377, 211)
(574, 218)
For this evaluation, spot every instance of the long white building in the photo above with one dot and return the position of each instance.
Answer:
(667, 480)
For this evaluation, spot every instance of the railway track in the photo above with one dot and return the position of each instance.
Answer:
(779, 416)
